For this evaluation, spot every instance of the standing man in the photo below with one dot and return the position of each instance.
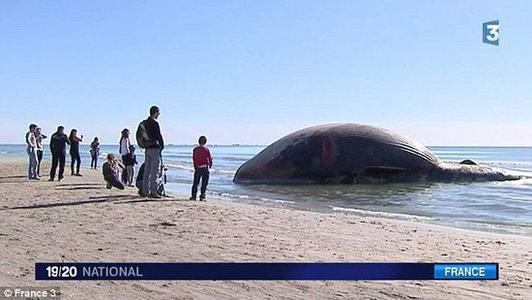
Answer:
(58, 143)
(32, 152)
(149, 137)
(38, 138)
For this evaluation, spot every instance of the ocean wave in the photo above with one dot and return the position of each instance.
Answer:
(380, 214)
(180, 167)
(524, 182)
(190, 168)
(188, 158)
(461, 152)
(246, 197)
(462, 157)
(223, 171)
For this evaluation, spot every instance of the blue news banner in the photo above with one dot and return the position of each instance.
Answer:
(266, 271)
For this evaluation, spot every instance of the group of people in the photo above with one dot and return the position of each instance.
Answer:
(148, 137)
(58, 142)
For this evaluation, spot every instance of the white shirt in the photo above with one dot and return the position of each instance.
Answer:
(124, 146)
(30, 139)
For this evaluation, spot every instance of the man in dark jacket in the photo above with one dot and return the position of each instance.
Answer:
(58, 143)
(152, 154)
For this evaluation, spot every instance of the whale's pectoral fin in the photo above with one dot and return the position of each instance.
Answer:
(468, 162)
(381, 174)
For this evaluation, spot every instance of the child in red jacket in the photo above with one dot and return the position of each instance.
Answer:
(202, 159)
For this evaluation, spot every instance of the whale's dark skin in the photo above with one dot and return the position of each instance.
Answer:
(353, 153)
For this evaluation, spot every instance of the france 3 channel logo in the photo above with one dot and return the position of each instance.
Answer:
(491, 32)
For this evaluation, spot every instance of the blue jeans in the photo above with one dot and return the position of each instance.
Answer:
(203, 174)
(94, 160)
(32, 168)
(75, 159)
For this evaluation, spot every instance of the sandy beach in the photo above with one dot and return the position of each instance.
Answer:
(79, 220)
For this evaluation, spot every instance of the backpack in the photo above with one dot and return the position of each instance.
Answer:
(143, 140)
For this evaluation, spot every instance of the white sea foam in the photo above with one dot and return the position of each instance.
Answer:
(380, 214)
(246, 197)
(190, 168)
(181, 167)
(224, 171)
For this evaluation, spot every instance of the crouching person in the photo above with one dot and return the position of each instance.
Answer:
(110, 172)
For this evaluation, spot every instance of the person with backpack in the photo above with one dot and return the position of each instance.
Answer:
(150, 139)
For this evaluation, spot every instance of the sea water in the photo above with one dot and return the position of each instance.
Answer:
(493, 206)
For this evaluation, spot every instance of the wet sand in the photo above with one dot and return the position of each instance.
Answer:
(79, 220)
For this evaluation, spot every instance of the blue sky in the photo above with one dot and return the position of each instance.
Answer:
(253, 71)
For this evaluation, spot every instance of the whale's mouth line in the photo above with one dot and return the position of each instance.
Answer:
(381, 174)
(371, 174)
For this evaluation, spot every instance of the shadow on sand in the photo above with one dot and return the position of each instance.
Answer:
(13, 176)
(81, 188)
(79, 184)
(114, 197)
(16, 181)
(74, 203)
(131, 199)
(144, 200)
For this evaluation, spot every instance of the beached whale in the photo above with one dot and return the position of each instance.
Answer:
(354, 153)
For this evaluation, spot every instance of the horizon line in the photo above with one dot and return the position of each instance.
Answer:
(260, 145)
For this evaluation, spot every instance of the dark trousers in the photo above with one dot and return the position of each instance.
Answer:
(203, 174)
(74, 158)
(39, 159)
(124, 171)
(58, 157)
(94, 161)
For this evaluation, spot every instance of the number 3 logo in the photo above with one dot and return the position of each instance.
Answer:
(490, 32)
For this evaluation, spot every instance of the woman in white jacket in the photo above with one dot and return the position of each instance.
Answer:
(125, 144)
